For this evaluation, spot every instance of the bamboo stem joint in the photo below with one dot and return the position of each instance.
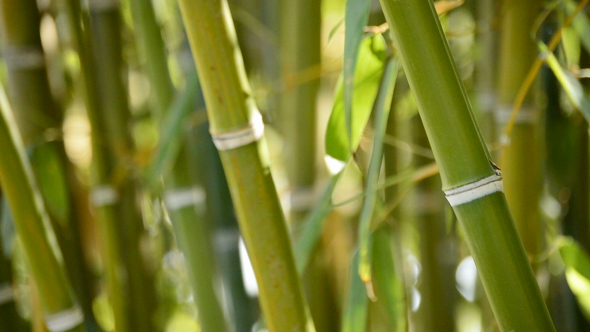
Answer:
(233, 139)
(475, 190)
(177, 199)
(65, 320)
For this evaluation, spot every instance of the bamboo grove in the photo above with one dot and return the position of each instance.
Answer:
(294, 165)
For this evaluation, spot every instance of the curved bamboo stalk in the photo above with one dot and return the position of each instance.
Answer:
(32, 224)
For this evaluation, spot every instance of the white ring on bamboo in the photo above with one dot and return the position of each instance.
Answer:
(65, 320)
(474, 190)
(526, 115)
(227, 239)
(24, 57)
(6, 293)
(102, 5)
(176, 199)
(301, 199)
(241, 136)
(104, 195)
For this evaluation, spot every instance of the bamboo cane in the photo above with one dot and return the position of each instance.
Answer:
(44, 258)
(471, 183)
(235, 124)
(131, 287)
(522, 161)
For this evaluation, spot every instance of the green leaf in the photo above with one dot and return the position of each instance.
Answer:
(572, 87)
(369, 69)
(355, 19)
(581, 24)
(577, 272)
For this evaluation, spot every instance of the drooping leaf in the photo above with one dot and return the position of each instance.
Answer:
(577, 272)
(572, 87)
(369, 69)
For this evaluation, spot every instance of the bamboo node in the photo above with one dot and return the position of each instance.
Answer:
(301, 199)
(526, 115)
(104, 195)
(474, 190)
(103, 5)
(240, 136)
(65, 320)
(6, 293)
(227, 239)
(24, 57)
(176, 199)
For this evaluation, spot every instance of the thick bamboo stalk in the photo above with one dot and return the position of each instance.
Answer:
(232, 113)
(32, 224)
(482, 209)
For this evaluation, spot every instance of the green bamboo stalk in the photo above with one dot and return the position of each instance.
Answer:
(193, 236)
(39, 116)
(153, 53)
(184, 200)
(522, 160)
(32, 224)
(463, 160)
(243, 310)
(130, 281)
(231, 109)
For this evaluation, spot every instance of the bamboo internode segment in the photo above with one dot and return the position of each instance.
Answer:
(65, 320)
(233, 139)
(474, 190)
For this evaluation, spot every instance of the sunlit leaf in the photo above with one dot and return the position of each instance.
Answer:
(577, 272)
(355, 19)
(370, 65)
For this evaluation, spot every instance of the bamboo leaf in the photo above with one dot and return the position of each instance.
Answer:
(382, 106)
(581, 24)
(572, 87)
(370, 65)
(355, 19)
(577, 271)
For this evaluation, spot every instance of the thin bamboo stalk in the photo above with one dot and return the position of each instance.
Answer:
(130, 281)
(32, 224)
(463, 160)
(231, 109)
(522, 158)
(39, 116)
(184, 199)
